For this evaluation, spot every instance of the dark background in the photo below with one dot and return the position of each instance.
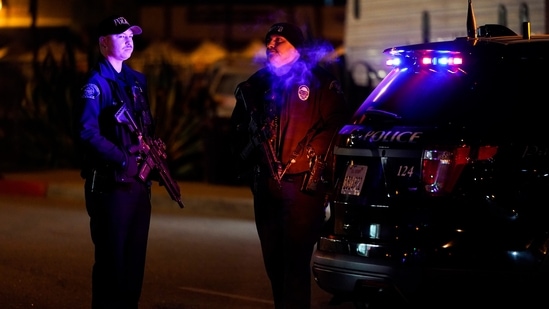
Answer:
(43, 69)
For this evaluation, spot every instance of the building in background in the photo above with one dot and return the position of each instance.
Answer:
(27, 25)
(229, 24)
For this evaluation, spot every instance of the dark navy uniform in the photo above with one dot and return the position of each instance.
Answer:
(117, 202)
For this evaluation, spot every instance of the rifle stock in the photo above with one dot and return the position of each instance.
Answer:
(153, 152)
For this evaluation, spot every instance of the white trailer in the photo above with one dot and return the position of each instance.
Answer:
(374, 25)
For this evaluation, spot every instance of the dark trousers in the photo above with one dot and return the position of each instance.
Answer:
(119, 225)
(288, 224)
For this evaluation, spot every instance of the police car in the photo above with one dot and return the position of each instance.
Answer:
(442, 178)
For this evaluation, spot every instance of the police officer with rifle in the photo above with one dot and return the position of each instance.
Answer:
(286, 116)
(121, 159)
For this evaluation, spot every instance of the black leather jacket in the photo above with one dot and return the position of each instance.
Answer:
(304, 98)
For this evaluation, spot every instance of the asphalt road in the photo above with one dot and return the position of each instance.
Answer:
(195, 260)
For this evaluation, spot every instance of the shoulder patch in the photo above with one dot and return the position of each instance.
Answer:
(303, 92)
(90, 91)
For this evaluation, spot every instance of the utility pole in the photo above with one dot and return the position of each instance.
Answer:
(33, 10)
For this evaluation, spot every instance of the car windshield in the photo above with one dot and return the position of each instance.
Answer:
(417, 96)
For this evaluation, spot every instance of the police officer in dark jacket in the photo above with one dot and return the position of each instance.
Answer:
(284, 120)
(117, 201)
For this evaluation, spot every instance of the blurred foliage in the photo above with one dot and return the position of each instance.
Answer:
(37, 114)
(178, 124)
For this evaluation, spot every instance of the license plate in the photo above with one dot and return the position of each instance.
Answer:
(354, 179)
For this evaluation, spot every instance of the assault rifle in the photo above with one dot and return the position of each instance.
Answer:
(259, 136)
(153, 153)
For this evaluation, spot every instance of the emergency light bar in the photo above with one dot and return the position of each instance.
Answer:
(425, 58)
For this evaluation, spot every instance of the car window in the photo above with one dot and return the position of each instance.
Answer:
(421, 96)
